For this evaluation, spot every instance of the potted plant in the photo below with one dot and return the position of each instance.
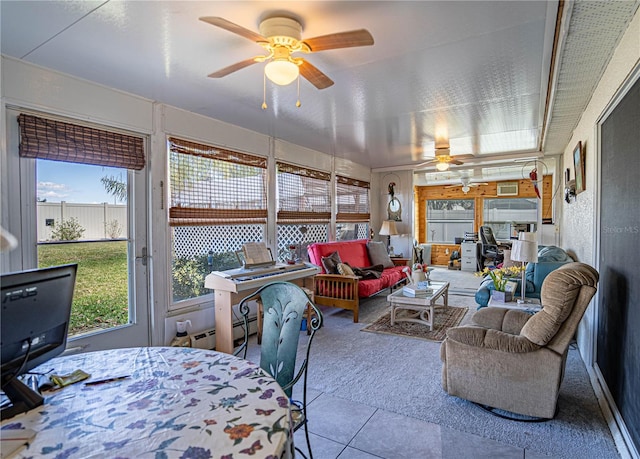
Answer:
(500, 277)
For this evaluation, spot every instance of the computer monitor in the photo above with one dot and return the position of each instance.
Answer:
(36, 305)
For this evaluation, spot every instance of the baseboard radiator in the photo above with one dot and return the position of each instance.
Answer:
(206, 339)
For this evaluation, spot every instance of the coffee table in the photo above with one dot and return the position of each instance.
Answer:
(422, 306)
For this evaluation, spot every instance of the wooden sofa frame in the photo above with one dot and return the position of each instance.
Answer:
(344, 291)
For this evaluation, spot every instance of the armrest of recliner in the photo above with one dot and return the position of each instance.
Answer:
(491, 339)
(506, 320)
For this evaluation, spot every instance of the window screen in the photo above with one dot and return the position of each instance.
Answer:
(352, 200)
(211, 185)
(303, 194)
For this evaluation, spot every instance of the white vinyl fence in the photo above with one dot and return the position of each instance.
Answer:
(100, 221)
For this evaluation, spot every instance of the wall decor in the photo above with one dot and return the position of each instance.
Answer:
(578, 165)
(394, 208)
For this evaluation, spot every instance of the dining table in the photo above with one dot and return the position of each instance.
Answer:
(158, 402)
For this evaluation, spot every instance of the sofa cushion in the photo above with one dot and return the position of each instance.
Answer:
(353, 252)
(330, 263)
(389, 277)
(345, 270)
(546, 254)
(378, 254)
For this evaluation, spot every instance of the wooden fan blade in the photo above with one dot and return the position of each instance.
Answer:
(315, 76)
(232, 27)
(455, 162)
(427, 163)
(232, 68)
(350, 39)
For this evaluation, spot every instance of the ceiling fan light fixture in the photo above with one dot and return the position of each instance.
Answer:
(442, 166)
(281, 71)
(465, 189)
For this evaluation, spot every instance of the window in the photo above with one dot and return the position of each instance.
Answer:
(352, 199)
(83, 206)
(508, 216)
(217, 203)
(303, 209)
(448, 219)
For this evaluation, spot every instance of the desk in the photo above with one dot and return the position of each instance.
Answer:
(177, 402)
(399, 261)
(230, 287)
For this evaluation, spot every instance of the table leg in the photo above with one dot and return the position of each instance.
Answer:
(224, 322)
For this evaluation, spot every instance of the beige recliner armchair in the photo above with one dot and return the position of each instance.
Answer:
(514, 361)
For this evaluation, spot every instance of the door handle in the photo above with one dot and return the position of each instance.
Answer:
(143, 258)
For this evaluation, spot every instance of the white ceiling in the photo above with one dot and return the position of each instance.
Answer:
(480, 68)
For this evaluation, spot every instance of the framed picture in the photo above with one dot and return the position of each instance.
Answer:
(578, 164)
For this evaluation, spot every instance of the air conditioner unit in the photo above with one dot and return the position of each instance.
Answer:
(507, 188)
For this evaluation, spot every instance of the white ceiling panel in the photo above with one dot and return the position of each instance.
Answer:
(479, 68)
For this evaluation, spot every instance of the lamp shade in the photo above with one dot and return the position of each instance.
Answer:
(525, 236)
(524, 251)
(281, 71)
(388, 228)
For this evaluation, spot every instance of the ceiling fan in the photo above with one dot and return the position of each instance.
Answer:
(442, 160)
(466, 183)
(281, 37)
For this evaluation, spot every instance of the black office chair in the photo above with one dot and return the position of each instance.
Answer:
(490, 249)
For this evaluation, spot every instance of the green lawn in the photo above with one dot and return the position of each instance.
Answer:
(101, 294)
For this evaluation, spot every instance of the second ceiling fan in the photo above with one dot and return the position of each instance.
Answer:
(281, 37)
(442, 160)
(466, 183)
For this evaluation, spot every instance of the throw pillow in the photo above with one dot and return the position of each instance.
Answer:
(345, 270)
(378, 254)
(330, 263)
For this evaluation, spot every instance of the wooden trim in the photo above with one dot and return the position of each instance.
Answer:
(478, 194)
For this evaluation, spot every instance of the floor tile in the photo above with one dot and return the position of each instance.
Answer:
(352, 453)
(456, 444)
(337, 419)
(322, 448)
(394, 436)
(528, 454)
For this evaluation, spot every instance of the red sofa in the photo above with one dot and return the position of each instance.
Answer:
(345, 291)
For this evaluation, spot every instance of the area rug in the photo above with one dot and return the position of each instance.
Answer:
(445, 317)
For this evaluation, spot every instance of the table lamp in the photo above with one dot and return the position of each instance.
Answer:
(524, 251)
(388, 229)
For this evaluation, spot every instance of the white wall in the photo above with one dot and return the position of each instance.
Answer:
(579, 219)
(25, 86)
(403, 243)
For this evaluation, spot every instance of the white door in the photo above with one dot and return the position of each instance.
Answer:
(91, 215)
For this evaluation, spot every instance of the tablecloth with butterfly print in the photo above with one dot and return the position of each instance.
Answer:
(172, 403)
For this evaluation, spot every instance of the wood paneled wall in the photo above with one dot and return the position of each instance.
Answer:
(478, 193)
(439, 255)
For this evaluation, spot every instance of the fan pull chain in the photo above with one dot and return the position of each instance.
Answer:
(264, 91)
(298, 104)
